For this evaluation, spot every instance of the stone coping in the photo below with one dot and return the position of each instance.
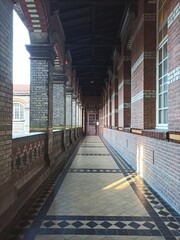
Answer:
(161, 134)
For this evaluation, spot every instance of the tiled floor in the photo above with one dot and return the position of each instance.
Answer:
(98, 196)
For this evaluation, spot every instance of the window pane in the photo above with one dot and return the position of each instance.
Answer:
(165, 67)
(160, 70)
(165, 50)
(16, 104)
(165, 79)
(165, 116)
(160, 101)
(160, 116)
(16, 113)
(162, 90)
(160, 85)
(160, 55)
(165, 100)
(92, 119)
(21, 114)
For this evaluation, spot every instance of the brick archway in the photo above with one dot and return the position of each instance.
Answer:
(34, 16)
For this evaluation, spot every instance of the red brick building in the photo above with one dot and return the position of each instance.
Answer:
(21, 97)
(110, 68)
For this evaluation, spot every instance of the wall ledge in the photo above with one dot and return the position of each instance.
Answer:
(165, 135)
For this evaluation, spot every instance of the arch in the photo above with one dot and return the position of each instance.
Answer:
(58, 47)
(58, 62)
(57, 39)
(34, 15)
(21, 101)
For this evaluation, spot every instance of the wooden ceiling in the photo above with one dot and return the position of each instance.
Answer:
(92, 32)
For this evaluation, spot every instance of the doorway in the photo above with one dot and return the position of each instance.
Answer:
(91, 123)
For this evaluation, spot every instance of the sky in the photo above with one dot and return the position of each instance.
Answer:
(21, 63)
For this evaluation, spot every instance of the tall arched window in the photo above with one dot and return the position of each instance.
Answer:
(18, 111)
(162, 65)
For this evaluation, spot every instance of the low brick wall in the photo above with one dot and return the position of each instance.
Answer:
(157, 161)
(31, 167)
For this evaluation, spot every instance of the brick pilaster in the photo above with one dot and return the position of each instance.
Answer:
(114, 100)
(77, 113)
(173, 66)
(6, 33)
(106, 107)
(80, 115)
(109, 104)
(69, 91)
(41, 91)
(59, 107)
(143, 66)
(103, 111)
(124, 90)
(74, 111)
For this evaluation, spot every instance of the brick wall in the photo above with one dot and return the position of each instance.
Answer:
(58, 101)
(153, 154)
(58, 109)
(174, 66)
(124, 90)
(114, 101)
(106, 108)
(28, 157)
(143, 66)
(109, 89)
(39, 95)
(29, 169)
(159, 160)
(6, 34)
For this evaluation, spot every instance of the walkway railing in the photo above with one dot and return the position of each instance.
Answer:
(28, 156)
(30, 152)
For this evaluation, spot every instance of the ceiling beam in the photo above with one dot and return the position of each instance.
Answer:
(92, 44)
(90, 65)
(94, 2)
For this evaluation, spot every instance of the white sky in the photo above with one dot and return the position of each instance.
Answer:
(21, 63)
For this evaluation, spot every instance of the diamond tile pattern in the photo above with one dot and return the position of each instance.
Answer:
(95, 198)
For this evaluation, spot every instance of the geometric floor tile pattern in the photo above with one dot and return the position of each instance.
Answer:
(98, 196)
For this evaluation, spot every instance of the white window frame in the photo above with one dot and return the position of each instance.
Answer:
(160, 46)
(21, 108)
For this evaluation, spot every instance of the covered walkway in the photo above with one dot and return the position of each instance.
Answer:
(97, 196)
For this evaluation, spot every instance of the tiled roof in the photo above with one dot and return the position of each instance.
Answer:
(21, 88)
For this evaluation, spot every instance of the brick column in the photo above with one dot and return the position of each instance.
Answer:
(6, 48)
(143, 66)
(69, 91)
(77, 113)
(124, 90)
(173, 66)
(59, 107)
(109, 104)
(103, 109)
(114, 100)
(83, 119)
(106, 108)
(80, 115)
(41, 91)
(74, 111)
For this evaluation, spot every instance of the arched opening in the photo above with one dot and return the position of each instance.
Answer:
(21, 77)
